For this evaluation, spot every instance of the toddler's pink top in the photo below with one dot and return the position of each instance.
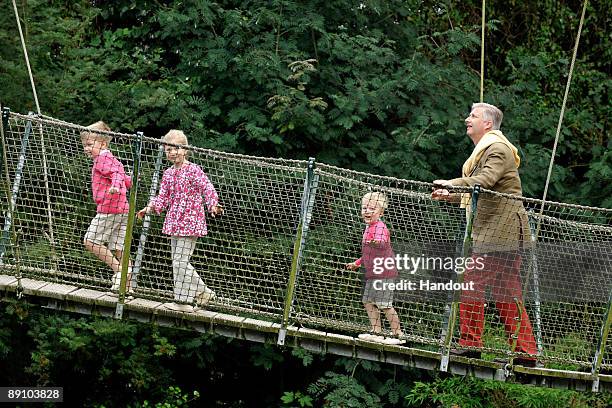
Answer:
(376, 243)
(108, 172)
(180, 194)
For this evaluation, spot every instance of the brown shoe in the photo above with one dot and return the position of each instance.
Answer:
(522, 361)
(466, 353)
(525, 361)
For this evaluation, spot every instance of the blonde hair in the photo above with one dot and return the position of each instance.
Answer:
(175, 136)
(99, 125)
(491, 113)
(377, 197)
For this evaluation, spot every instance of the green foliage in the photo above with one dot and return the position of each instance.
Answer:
(381, 87)
(174, 398)
(303, 354)
(341, 391)
(265, 356)
(290, 399)
(470, 392)
(107, 363)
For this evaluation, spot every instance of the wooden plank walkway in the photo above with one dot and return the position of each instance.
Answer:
(70, 298)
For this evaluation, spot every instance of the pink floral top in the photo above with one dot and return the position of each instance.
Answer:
(180, 194)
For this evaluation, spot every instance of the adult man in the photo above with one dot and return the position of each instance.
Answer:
(500, 231)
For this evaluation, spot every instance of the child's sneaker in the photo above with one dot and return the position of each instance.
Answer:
(116, 282)
(130, 290)
(394, 341)
(371, 336)
(178, 307)
(204, 297)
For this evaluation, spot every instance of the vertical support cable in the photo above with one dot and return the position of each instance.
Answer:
(514, 336)
(310, 186)
(8, 216)
(147, 220)
(125, 260)
(482, 52)
(567, 88)
(42, 140)
(27, 59)
(467, 245)
(12, 202)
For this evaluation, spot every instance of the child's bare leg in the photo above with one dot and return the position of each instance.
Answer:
(119, 256)
(103, 254)
(374, 316)
(394, 321)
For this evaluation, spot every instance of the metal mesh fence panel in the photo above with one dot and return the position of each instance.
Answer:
(567, 278)
(548, 296)
(560, 276)
(330, 295)
(246, 256)
(244, 259)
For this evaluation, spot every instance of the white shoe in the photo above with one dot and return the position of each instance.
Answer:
(393, 341)
(178, 307)
(370, 337)
(203, 298)
(130, 290)
(116, 282)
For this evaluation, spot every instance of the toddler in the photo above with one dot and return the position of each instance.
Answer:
(376, 243)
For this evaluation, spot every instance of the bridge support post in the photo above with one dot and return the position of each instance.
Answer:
(310, 187)
(533, 268)
(125, 260)
(601, 346)
(147, 220)
(467, 244)
(12, 201)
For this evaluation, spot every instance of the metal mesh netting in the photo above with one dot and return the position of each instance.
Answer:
(329, 294)
(562, 281)
(567, 278)
(245, 260)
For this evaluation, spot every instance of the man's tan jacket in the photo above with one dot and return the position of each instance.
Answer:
(501, 223)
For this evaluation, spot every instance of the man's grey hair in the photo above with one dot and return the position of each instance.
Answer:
(490, 112)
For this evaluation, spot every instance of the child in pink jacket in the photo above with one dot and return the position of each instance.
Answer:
(106, 233)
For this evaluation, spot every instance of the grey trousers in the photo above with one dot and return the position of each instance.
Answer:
(187, 282)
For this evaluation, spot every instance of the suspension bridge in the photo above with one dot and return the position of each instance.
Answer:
(276, 258)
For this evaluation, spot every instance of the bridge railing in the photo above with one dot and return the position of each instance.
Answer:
(290, 227)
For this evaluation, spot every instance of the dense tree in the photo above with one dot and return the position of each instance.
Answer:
(380, 86)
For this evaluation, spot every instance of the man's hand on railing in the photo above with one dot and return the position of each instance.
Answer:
(440, 191)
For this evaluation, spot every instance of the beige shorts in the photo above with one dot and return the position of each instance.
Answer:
(383, 299)
(108, 228)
